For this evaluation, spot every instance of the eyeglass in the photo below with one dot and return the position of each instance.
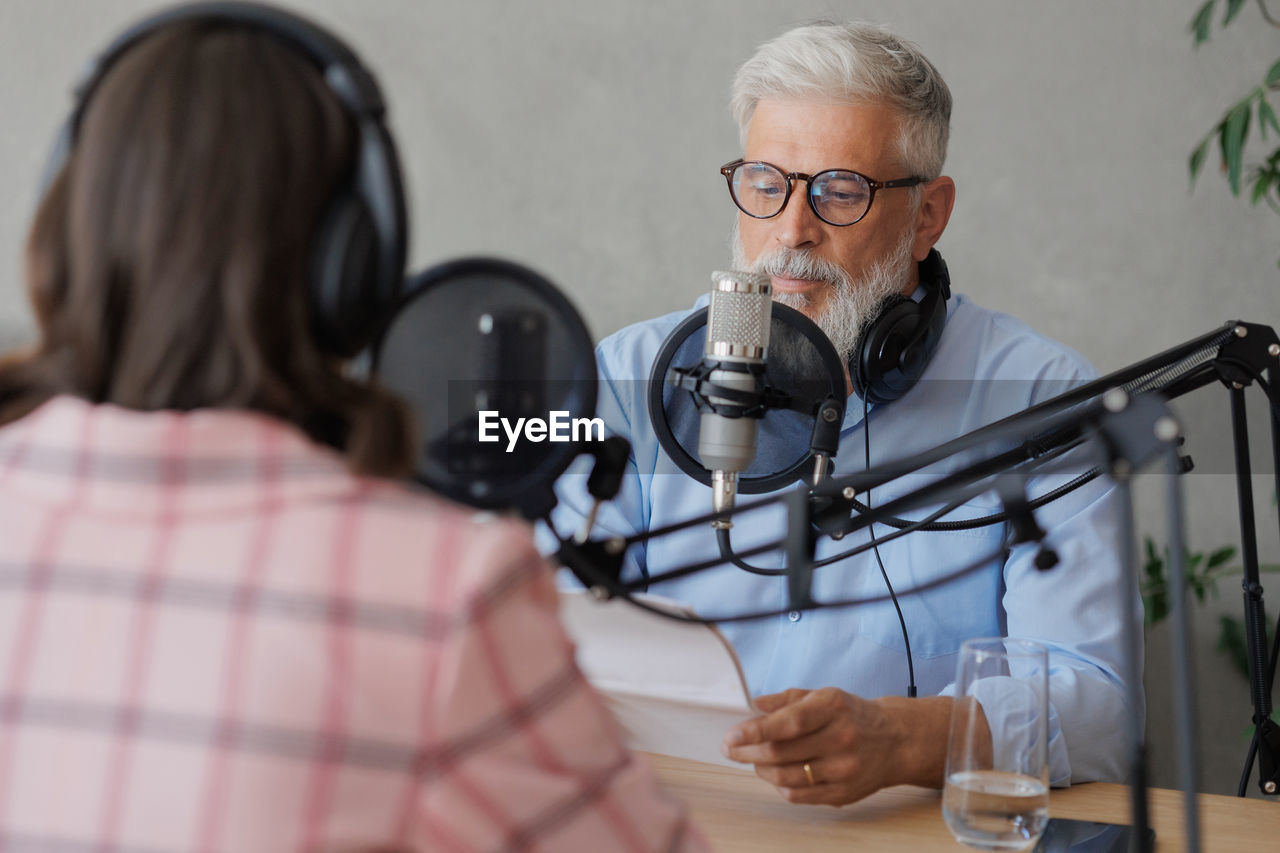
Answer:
(837, 196)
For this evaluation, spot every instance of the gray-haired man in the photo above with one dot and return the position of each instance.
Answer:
(841, 196)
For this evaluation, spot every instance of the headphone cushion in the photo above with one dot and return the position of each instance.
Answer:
(344, 288)
(876, 365)
(885, 365)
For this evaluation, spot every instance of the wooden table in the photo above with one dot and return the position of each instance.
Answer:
(740, 812)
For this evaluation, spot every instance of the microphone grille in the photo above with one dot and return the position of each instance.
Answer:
(739, 314)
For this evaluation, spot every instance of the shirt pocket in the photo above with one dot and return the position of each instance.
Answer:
(948, 583)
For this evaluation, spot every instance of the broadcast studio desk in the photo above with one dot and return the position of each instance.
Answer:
(740, 812)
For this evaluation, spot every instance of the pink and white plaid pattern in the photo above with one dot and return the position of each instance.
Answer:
(213, 637)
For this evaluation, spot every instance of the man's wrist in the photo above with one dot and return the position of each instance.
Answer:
(919, 733)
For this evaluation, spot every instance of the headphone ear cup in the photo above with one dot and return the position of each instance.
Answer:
(874, 364)
(360, 249)
(895, 348)
(344, 283)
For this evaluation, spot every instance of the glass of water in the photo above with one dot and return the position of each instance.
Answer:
(997, 795)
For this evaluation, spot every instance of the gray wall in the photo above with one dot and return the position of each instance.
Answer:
(583, 136)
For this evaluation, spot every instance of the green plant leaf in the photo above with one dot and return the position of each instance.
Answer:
(1153, 566)
(1231, 642)
(1266, 116)
(1156, 608)
(1261, 183)
(1233, 9)
(1201, 22)
(1234, 130)
(1197, 161)
(1273, 75)
(1196, 589)
(1155, 599)
(1220, 555)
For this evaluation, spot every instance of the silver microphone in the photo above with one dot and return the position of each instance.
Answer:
(737, 342)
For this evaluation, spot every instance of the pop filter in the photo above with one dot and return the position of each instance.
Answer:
(802, 363)
(482, 350)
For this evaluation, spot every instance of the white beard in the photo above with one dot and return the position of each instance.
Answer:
(851, 303)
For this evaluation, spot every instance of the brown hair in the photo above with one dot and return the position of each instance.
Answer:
(167, 263)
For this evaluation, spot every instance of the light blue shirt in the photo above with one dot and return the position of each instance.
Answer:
(988, 365)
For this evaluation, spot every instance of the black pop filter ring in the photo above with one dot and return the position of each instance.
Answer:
(452, 292)
(789, 318)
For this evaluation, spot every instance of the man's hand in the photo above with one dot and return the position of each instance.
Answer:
(853, 746)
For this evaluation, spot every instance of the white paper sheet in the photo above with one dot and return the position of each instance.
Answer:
(675, 687)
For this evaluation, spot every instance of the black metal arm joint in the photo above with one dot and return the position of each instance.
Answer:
(1268, 756)
(596, 564)
(611, 457)
(829, 417)
(1022, 521)
(1246, 355)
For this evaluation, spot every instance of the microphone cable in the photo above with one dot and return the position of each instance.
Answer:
(1033, 453)
(1037, 451)
(893, 596)
(902, 527)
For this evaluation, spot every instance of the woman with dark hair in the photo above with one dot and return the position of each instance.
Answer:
(220, 628)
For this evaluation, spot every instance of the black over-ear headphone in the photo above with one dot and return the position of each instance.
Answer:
(895, 347)
(358, 251)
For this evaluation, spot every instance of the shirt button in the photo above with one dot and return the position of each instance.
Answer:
(794, 615)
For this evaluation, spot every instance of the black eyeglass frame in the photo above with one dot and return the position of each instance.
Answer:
(729, 168)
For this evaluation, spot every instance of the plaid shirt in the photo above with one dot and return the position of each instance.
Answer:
(213, 637)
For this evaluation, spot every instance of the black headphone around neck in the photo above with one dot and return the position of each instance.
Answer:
(895, 347)
(358, 251)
